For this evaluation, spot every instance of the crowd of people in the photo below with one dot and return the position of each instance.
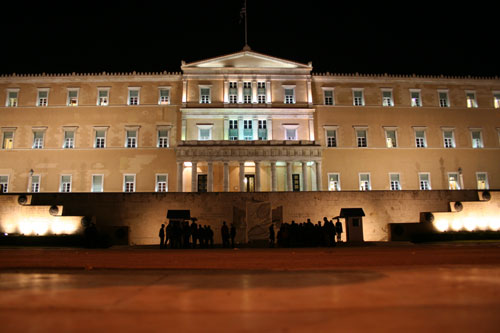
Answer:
(182, 235)
(307, 234)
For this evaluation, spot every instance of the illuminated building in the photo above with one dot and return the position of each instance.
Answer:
(247, 122)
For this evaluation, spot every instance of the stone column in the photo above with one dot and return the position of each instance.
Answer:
(226, 176)
(311, 129)
(319, 178)
(184, 91)
(269, 125)
(257, 176)
(242, 176)
(289, 184)
(255, 128)
(226, 91)
(226, 128)
(210, 177)
(240, 92)
(194, 177)
(183, 129)
(254, 92)
(180, 169)
(268, 92)
(274, 179)
(304, 176)
(240, 129)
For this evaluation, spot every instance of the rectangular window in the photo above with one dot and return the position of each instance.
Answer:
(449, 139)
(69, 139)
(333, 182)
(233, 129)
(328, 95)
(133, 96)
(248, 130)
(8, 140)
(496, 100)
(364, 182)
(161, 183)
(12, 98)
(394, 182)
(471, 99)
(482, 180)
(38, 139)
(129, 183)
(100, 139)
(424, 180)
(4, 184)
(289, 95)
(416, 100)
(443, 99)
(261, 92)
(162, 138)
(65, 183)
(331, 138)
(72, 97)
(43, 97)
(103, 97)
(247, 92)
(358, 98)
(205, 95)
(204, 134)
(131, 139)
(35, 184)
(477, 139)
(97, 183)
(390, 138)
(361, 138)
(291, 133)
(164, 96)
(262, 130)
(453, 181)
(233, 92)
(420, 141)
(387, 98)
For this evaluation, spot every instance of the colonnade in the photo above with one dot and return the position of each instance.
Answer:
(242, 185)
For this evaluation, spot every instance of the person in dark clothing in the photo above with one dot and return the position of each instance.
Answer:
(233, 234)
(194, 233)
(161, 234)
(339, 230)
(224, 231)
(210, 237)
(271, 235)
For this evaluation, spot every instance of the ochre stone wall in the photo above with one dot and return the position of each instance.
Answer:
(143, 213)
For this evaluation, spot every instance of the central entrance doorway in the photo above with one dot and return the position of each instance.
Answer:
(250, 183)
(202, 183)
(296, 182)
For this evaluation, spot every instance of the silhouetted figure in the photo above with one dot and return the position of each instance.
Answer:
(224, 232)
(161, 234)
(271, 235)
(233, 234)
(339, 230)
(210, 236)
(91, 236)
(194, 233)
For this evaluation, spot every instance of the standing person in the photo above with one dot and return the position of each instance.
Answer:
(271, 235)
(161, 234)
(210, 236)
(224, 231)
(194, 232)
(233, 234)
(339, 230)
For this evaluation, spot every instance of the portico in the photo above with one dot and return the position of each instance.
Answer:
(247, 166)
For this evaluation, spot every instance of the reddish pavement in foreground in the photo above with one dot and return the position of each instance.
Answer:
(251, 259)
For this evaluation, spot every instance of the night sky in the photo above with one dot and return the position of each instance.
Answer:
(402, 38)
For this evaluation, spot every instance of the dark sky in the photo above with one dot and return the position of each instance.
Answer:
(402, 38)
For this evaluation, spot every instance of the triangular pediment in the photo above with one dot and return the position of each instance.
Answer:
(246, 60)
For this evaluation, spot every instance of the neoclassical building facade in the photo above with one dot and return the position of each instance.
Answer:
(247, 122)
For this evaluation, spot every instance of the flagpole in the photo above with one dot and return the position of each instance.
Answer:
(246, 27)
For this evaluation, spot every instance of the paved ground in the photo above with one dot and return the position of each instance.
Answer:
(385, 287)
